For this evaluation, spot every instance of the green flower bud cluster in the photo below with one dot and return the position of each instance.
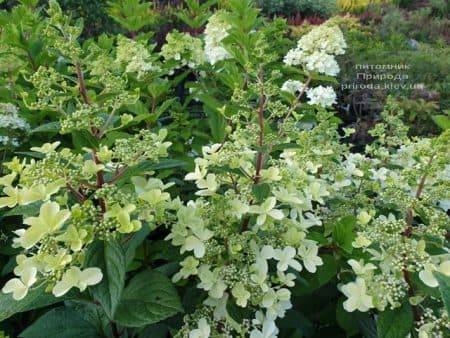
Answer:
(52, 90)
(143, 146)
(62, 34)
(84, 118)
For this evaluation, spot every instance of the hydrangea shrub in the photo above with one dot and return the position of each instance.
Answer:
(272, 208)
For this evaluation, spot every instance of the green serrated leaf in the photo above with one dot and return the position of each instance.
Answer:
(61, 322)
(444, 289)
(395, 323)
(110, 258)
(324, 274)
(366, 325)
(346, 319)
(51, 127)
(261, 191)
(133, 242)
(442, 121)
(150, 166)
(24, 210)
(154, 331)
(34, 154)
(82, 139)
(343, 232)
(149, 298)
(90, 312)
(35, 299)
(217, 124)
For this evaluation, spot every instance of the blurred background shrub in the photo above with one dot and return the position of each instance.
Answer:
(412, 32)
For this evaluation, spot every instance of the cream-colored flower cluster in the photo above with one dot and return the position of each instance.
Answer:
(215, 31)
(246, 248)
(401, 217)
(55, 242)
(184, 49)
(136, 57)
(315, 52)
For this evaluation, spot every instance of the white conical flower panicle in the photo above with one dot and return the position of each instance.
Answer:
(215, 31)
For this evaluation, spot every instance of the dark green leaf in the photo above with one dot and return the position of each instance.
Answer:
(82, 139)
(163, 107)
(163, 250)
(217, 123)
(444, 289)
(149, 298)
(322, 276)
(51, 127)
(110, 258)
(346, 320)
(343, 232)
(146, 166)
(168, 269)
(261, 191)
(35, 47)
(238, 313)
(9, 266)
(132, 243)
(395, 323)
(90, 312)
(24, 210)
(61, 322)
(35, 299)
(154, 331)
(327, 270)
(366, 325)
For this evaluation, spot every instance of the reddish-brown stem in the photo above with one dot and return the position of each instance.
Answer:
(100, 180)
(31, 60)
(153, 105)
(114, 330)
(409, 211)
(246, 220)
(423, 178)
(83, 92)
(78, 195)
(409, 221)
(234, 183)
(82, 84)
(118, 175)
(260, 155)
(297, 100)
(328, 249)
(407, 277)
